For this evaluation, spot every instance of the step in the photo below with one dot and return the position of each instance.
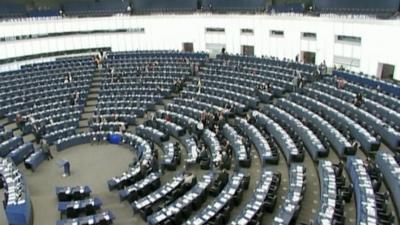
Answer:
(83, 130)
(140, 120)
(3, 121)
(158, 107)
(96, 85)
(91, 102)
(131, 129)
(91, 99)
(84, 123)
(18, 133)
(11, 126)
(29, 138)
(167, 101)
(92, 96)
(89, 108)
(94, 90)
(86, 115)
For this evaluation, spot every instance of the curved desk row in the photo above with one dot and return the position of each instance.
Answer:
(195, 194)
(371, 122)
(286, 143)
(290, 208)
(363, 191)
(341, 145)
(264, 150)
(17, 207)
(221, 204)
(370, 82)
(310, 140)
(263, 199)
(391, 173)
(341, 121)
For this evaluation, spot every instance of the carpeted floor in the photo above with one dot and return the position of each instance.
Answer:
(90, 165)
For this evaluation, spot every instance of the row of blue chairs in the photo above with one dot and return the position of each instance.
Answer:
(373, 124)
(320, 127)
(384, 113)
(314, 146)
(17, 200)
(342, 122)
(289, 210)
(286, 143)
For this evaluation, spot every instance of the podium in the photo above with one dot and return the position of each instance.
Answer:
(62, 163)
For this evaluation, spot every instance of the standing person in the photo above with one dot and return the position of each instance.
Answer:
(20, 121)
(76, 97)
(301, 81)
(72, 99)
(38, 131)
(96, 61)
(122, 128)
(66, 80)
(69, 77)
(112, 70)
(199, 86)
(295, 83)
(203, 116)
(42, 130)
(46, 149)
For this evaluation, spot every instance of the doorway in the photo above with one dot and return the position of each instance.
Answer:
(308, 57)
(386, 71)
(248, 50)
(214, 49)
(187, 47)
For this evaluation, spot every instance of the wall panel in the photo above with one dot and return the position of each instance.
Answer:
(379, 37)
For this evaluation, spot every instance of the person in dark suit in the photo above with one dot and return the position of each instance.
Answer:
(36, 132)
(203, 155)
(223, 177)
(72, 100)
(46, 149)
(219, 183)
(358, 100)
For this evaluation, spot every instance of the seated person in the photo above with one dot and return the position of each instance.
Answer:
(228, 109)
(269, 87)
(219, 182)
(203, 154)
(176, 147)
(103, 119)
(188, 180)
(397, 157)
(144, 166)
(339, 168)
(114, 117)
(226, 160)
(218, 160)
(358, 100)
(122, 128)
(199, 130)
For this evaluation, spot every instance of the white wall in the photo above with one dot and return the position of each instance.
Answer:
(380, 39)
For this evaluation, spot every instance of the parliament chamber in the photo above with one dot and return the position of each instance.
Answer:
(199, 112)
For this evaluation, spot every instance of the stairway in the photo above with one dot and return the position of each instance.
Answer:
(91, 102)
